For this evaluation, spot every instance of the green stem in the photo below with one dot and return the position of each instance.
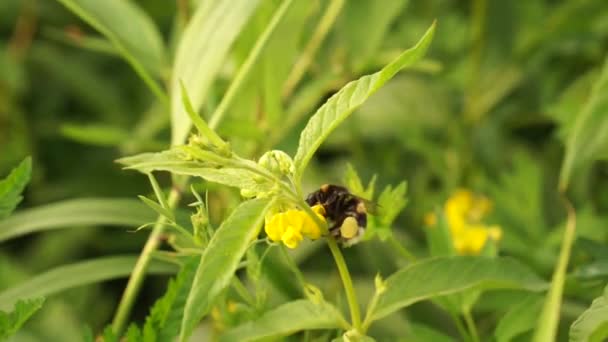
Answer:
(139, 271)
(367, 321)
(247, 66)
(351, 297)
(401, 249)
(302, 64)
(471, 326)
(548, 321)
(461, 329)
(293, 266)
(242, 291)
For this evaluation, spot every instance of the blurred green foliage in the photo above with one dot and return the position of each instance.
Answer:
(491, 108)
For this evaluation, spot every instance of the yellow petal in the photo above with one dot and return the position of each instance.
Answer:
(275, 227)
(292, 237)
(495, 233)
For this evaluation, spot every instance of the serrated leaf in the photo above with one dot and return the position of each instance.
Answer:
(220, 260)
(349, 98)
(589, 136)
(446, 275)
(118, 212)
(288, 319)
(353, 181)
(12, 186)
(130, 30)
(78, 274)
(201, 52)
(520, 318)
(592, 325)
(391, 202)
(11, 322)
(165, 318)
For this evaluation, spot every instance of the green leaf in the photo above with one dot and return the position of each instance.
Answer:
(80, 212)
(391, 202)
(520, 318)
(354, 184)
(96, 134)
(12, 321)
(589, 136)
(288, 319)
(201, 52)
(170, 160)
(78, 274)
(365, 40)
(130, 30)
(349, 98)
(158, 208)
(422, 333)
(446, 275)
(200, 124)
(165, 317)
(12, 186)
(592, 325)
(220, 260)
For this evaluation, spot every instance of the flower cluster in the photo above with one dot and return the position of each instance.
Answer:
(293, 225)
(464, 212)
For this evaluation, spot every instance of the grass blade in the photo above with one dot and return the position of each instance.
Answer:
(589, 136)
(77, 274)
(84, 211)
(201, 53)
(132, 33)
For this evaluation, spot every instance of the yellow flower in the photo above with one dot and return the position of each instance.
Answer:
(464, 212)
(293, 225)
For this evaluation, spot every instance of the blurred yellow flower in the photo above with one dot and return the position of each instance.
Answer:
(464, 212)
(291, 226)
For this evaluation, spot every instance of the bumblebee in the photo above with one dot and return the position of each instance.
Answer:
(345, 212)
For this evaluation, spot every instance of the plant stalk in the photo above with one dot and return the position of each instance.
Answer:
(471, 326)
(139, 271)
(302, 64)
(351, 297)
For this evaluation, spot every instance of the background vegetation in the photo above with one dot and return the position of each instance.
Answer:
(510, 101)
